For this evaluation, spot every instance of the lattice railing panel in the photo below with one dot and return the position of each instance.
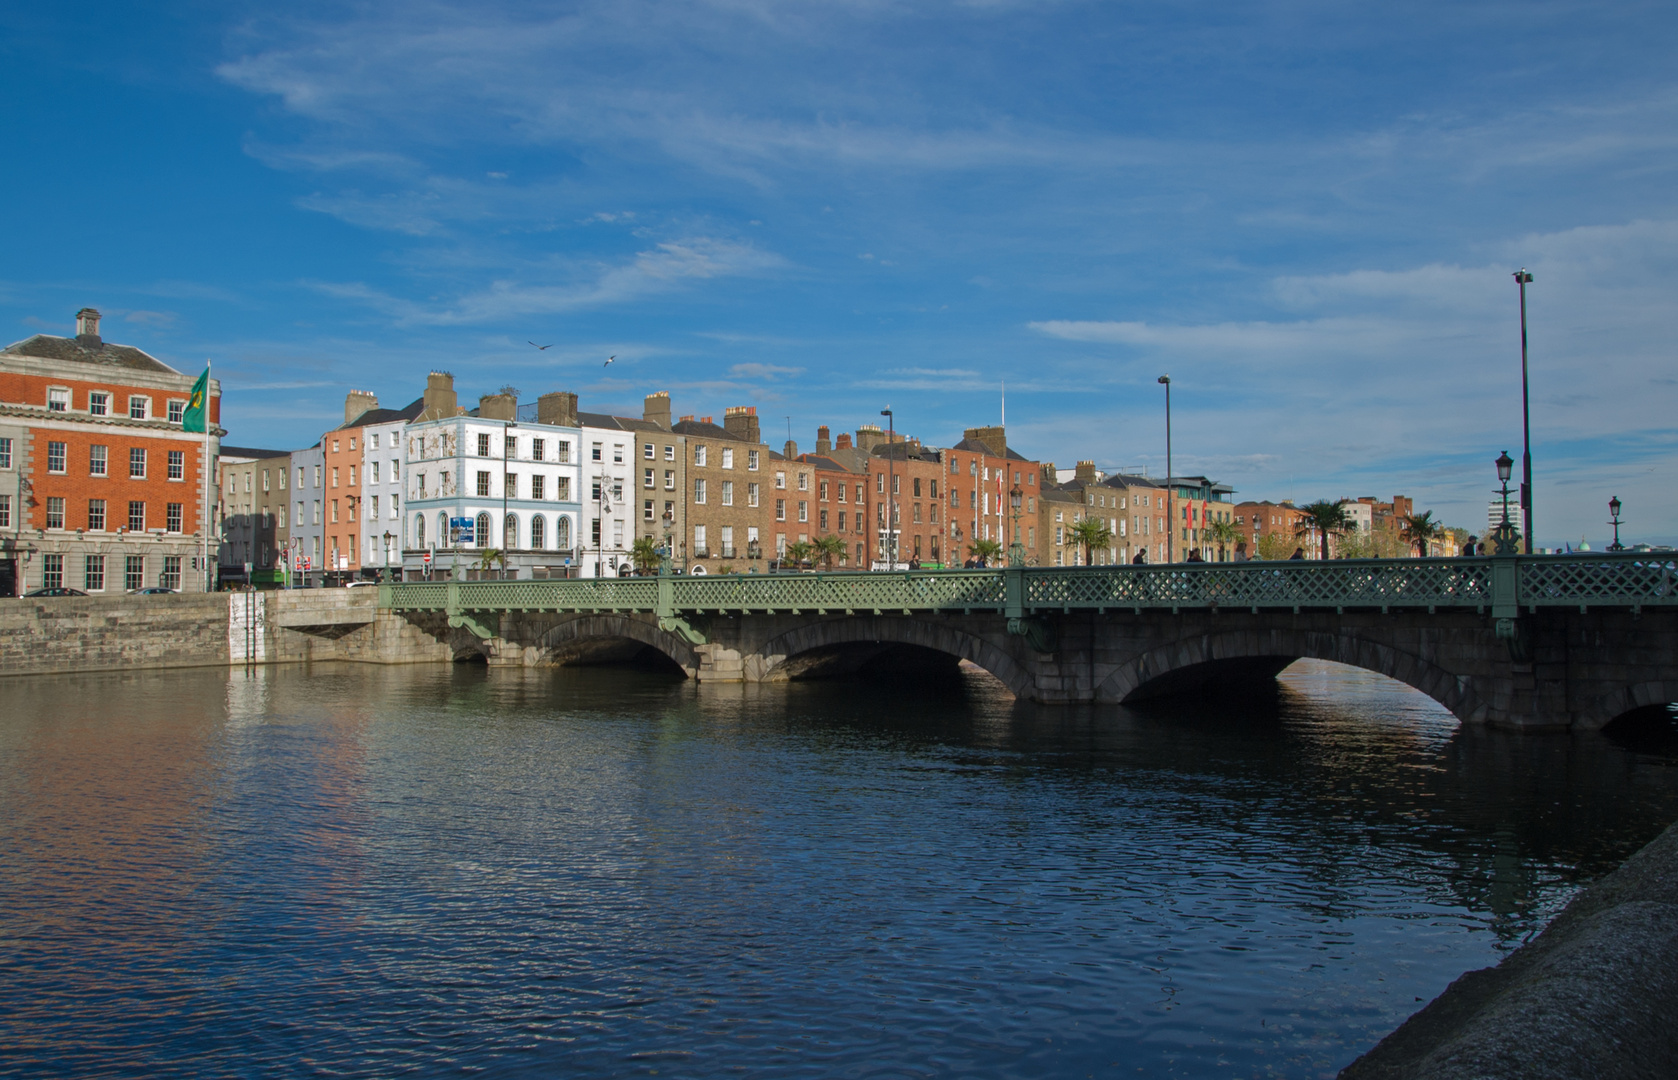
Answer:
(854, 592)
(1362, 583)
(1613, 579)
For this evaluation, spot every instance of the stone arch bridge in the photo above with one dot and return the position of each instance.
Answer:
(1516, 641)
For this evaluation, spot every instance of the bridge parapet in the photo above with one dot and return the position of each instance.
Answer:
(1633, 580)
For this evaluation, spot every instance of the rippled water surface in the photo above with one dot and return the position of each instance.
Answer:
(361, 871)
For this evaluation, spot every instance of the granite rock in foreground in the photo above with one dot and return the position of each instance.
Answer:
(1594, 995)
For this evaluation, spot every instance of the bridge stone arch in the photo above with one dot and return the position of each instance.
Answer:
(575, 636)
(780, 650)
(1617, 703)
(1204, 658)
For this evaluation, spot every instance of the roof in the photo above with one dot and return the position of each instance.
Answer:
(620, 423)
(82, 350)
(701, 429)
(1121, 480)
(909, 452)
(974, 446)
(386, 416)
(251, 452)
(822, 461)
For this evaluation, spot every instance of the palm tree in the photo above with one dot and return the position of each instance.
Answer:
(1326, 518)
(1421, 530)
(799, 552)
(1092, 532)
(487, 561)
(644, 554)
(984, 550)
(1224, 534)
(828, 548)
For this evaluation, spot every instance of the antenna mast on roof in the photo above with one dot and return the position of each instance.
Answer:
(1004, 402)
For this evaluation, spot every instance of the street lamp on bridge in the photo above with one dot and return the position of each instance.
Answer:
(1170, 503)
(1614, 512)
(1016, 551)
(1505, 536)
(1523, 279)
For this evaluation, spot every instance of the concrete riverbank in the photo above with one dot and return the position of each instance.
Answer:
(59, 635)
(1594, 995)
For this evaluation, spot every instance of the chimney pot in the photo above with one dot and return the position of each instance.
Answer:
(87, 327)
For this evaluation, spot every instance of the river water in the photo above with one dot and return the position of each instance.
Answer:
(367, 871)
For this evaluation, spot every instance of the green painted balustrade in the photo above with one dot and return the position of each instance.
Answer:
(1503, 584)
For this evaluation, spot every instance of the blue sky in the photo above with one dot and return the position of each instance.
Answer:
(1307, 213)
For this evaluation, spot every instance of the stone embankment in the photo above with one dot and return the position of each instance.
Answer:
(104, 633)
(1594, 995)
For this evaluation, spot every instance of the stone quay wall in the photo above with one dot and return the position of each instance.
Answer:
(60, 635)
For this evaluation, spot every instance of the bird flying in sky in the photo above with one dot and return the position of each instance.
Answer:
(609, 359)
(540, 348)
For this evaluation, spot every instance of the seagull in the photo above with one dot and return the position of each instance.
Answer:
(540, 348)
(609, 359)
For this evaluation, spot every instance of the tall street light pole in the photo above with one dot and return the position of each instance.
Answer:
(891, 483)
(505, 454)
(1170, 503)
(1523, 279)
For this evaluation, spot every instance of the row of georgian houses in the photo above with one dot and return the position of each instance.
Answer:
(101, 489)
(548, 489)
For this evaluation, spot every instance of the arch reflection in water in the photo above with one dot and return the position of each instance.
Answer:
(593, 872)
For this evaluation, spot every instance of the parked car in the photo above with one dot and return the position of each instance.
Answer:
(358, 584)
(155, 590)
(56, 590)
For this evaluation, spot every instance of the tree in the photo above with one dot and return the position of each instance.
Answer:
(828, 548)
(487, 561)
(1092, 532)
(1225, 534)
(1273, 545)
(798, 552)
(644, 554)
(1325, 518)
(984, 550)
(1421, 530)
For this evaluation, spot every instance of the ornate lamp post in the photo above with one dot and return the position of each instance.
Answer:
(754, 552)
(1016, 550)
(1614, 512)
(1170, 502)
(664, 551)
(1523, 279)
(1505, 537)
(384, 574)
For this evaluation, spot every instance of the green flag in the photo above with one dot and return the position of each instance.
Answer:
(197, 409)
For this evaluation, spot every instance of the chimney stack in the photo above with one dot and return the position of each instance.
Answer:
(440, 399)
(1049, 474)
(868, 436)
(656, 409)
(1085, 471)
(357, 402)
(741, 422)
(87, 327)
(995, 439)
(498, 407)
(791, 450)
(558, 408)
(844, 440)
(824, 440)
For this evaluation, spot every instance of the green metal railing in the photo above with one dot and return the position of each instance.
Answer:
(1504, 585)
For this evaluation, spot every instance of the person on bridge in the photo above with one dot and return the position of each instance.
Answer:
(1194, 556)
(1241, 552)
(1468, 548)
(1298, 553)
(1141, 556)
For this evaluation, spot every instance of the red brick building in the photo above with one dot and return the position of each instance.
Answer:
(982, 473)
(100, 488)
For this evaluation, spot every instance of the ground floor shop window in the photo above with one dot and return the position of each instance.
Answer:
(52, 571)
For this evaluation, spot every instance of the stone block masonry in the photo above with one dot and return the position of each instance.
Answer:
(59, 635)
